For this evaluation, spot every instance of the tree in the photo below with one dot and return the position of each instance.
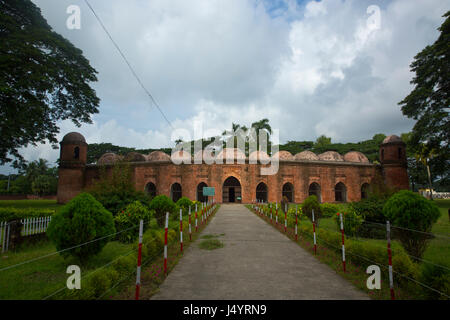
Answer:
(43, 79)
(162, 204)
(262, 124)
(44, 184)
(322, 141)
(414, 215)
(429, 100)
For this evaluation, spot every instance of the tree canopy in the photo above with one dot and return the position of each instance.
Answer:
(429, 102)
(43, 79)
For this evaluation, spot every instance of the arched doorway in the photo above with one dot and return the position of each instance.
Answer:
(150, 189)
(288, 191)
(340, 192)
(261, 192)
(200, 196)
(314, 189)
(231, 191)
(175, 192)
(365, 191)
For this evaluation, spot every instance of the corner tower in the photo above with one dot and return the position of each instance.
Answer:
(393, 162)
(72, 164)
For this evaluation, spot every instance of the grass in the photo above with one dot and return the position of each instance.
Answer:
(42, 204)
(38, 279)
(210, 244)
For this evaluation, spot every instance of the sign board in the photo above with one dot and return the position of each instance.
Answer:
(208, 191)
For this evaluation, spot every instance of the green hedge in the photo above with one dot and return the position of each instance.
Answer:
(9, 214)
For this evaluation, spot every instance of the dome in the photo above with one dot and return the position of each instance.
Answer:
(306, 155)
(231, 153)
(158, 156)
(181, 156)
(355, 156)
(392, 138)
(330, 156)
(74, 137)
(283, 155)
(259, 156)
(109, 158)
(135, 157)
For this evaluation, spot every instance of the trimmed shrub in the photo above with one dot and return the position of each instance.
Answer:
(370, 209)
(184, 203)
(162, 204)
(81, 220)
(409, 210)
(130, 217)
(311, 203)
(329, 210)
(352, 222)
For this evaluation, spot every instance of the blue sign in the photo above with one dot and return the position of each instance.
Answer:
(208, 191)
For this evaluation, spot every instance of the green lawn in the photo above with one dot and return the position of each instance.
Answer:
(36, 280)
(42, 204)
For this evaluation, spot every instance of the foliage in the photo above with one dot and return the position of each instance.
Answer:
(51, 84)
(311, 203)
(81, 220)
(130, 217)
(429, 100)
(44, 184)
(409, 210)
(184, 203)
(115, 189)
(329, 209)
(370, 209)
(437, 278)
(352, 221)
(322, 141)
(8, 214)
(162, 204)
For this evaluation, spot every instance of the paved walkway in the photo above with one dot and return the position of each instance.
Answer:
(257, 262)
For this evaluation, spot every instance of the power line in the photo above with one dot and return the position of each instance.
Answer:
(127, 62)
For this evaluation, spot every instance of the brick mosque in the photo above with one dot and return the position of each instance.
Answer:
(330, 176)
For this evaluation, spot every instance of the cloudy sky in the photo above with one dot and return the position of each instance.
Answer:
(332, 67)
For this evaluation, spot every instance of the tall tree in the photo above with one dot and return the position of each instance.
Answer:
(322, 141)
(429, 101)
(43, 79)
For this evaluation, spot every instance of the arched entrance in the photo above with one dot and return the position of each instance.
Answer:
(175, 192)
(365, 191)
(340, 192)
(231, 191)
(200, 196)
(314, 189)
(288, 191)
(150, 189)
(261, 192)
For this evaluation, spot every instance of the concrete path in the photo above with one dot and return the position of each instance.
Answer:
(257, 262)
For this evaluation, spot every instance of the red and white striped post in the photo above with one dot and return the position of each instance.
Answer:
(285, 217)
(276, 213)
(181, 230)
(138, 271)
(202, 213)
(166, 230)
(296, 222)
(196, 220)
(314, 231)
(343, 244)
(190, 230)
(391, 276)
(271, 220)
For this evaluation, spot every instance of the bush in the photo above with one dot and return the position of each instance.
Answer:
(184, 203)
(116, 190)
(437, 278)
(81, 220)
(309, 205)
(131, 216)
(162, 204)
(409, 210)
(9, 214)
(329, 210)
(370, 209)
(352, 221)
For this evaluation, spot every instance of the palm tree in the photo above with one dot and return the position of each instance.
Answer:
(424, 155)
(262, 124)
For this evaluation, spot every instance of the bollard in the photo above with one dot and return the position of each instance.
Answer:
(166, 230)
(138, 271)
(314, 231)
(343, 246)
